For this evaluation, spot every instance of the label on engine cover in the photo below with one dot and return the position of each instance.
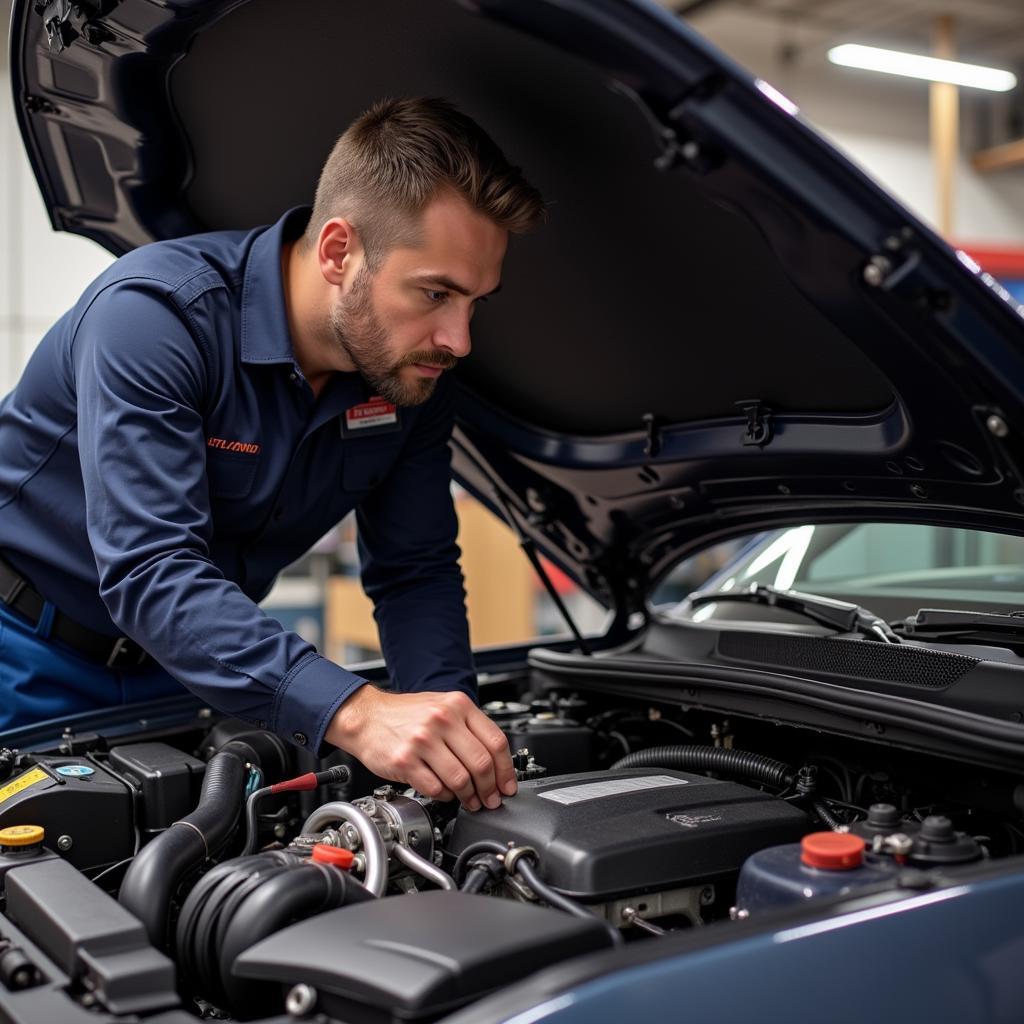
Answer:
(612, 787)
(30, 778)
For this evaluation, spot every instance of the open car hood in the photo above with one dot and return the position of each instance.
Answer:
(724, 326)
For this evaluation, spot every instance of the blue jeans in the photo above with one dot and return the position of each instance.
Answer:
(42, 678)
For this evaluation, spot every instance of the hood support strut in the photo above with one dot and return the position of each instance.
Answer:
(529, 549)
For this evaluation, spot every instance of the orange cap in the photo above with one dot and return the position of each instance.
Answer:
(22, 835)
(836, 851)
(324, 854)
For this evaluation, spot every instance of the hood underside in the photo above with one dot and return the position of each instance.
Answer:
(723, 326)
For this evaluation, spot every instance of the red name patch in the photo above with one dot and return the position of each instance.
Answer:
(377, 412)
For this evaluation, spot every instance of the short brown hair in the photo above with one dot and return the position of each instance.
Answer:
(397, 156)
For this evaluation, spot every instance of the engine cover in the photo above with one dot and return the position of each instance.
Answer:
(600, 835)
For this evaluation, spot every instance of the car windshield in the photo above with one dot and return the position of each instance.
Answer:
(893, 568)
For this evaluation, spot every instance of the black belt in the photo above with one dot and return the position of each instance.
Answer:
(115, 652)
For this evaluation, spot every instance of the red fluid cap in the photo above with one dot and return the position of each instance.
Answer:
(837, 851)
(324, 854)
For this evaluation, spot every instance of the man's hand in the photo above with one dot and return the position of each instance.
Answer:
(440, 743)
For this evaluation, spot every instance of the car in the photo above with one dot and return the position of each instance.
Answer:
(792, 796)
(896, 568)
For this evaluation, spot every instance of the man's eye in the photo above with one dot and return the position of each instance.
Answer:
(435, 296)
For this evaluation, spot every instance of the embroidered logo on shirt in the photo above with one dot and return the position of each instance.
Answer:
(377, 412)
(233, 446)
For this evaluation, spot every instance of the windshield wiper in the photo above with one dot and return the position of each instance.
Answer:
(998, 628)
(826, 611)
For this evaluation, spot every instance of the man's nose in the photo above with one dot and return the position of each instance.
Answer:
(454, 338)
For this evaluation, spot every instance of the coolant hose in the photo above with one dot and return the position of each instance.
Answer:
(154, 875)
(740, 763)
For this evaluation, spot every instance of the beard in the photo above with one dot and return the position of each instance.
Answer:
(361, 335)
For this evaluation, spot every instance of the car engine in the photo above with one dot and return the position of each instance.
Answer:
(207, 873)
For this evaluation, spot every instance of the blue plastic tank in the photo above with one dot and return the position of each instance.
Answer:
(822, 864)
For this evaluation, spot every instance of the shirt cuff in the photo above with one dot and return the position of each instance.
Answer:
(307, 699)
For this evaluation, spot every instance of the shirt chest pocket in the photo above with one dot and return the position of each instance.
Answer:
(366, 463)
(230, 475)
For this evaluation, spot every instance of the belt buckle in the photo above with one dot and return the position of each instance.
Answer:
(124, 646)
(18, 584)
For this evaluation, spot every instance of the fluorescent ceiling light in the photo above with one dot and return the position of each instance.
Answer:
(911, 65)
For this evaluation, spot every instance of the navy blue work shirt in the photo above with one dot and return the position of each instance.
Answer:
(163, 458)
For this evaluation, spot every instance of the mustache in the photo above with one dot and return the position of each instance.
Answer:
(443, 362)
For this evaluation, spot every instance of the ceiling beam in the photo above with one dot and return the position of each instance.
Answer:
(944, 112)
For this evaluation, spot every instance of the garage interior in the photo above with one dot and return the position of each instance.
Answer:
(953, 155)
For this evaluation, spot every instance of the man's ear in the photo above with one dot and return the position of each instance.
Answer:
(338, 248)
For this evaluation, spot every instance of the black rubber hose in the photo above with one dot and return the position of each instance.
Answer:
(203, 912)
(151, 881)
(476, 878)
(740, 763)
(825, 814)
(482, 846)
(555, 899)
(484, 869)
(293, 895)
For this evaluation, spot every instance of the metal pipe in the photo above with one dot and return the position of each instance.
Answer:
(376, 875)
(423, 867)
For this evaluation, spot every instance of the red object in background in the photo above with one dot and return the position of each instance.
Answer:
(562, 584)
(999, 262)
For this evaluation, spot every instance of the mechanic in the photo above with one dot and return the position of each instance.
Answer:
(212, 405)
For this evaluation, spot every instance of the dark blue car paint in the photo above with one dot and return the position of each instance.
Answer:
(949, 955)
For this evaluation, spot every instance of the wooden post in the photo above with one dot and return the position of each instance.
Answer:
(945, 129)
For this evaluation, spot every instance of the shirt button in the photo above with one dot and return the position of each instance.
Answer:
(300, 738)
(262, 724)
(293, 376)
(278, 515)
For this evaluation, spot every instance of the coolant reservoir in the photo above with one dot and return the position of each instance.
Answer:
(822, 864)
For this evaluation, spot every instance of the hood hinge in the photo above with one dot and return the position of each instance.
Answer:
(66, 20)
(894, 269)
(674, 150)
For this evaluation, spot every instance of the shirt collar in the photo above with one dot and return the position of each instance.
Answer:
(265, 337)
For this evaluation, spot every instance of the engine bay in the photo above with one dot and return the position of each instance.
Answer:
(215, 872)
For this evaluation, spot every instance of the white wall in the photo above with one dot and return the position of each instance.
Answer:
(879, 120)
